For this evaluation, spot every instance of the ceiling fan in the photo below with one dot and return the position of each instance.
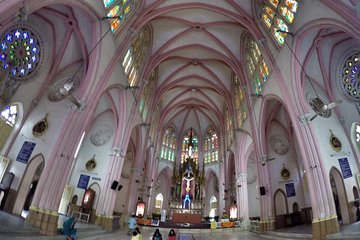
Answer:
(65, 91)
(318, 105)
(264, 160)
(116, 152)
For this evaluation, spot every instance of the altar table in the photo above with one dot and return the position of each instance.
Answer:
(186, 218)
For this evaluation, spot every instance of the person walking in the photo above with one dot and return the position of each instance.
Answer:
(132, 223)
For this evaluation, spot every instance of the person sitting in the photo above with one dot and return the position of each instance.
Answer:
(69, 228)
(135, 235)
(157, 235)
(139, 233)
(172, 235)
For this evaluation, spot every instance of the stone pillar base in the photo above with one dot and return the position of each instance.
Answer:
(45, 220)
(267, 225)
(105, 222)
(322, 227)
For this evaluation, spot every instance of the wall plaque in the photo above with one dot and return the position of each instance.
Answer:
(345, 168)
(83, 181)
(290, 190)
(25, 152)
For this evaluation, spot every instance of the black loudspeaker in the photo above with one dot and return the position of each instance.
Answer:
(114, 185)
(120, 187)
(262, 190)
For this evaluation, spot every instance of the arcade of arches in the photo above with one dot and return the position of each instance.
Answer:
(235, 109)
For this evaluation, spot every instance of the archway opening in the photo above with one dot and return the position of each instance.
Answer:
(339, 195)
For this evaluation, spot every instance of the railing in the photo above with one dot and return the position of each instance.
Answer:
(82, 217)
(254, 226)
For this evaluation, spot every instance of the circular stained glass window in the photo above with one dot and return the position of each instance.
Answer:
(20, 52)
(350, 79)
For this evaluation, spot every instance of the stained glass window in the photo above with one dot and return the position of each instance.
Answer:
(229, 128)
(168, 146)
(122, 9)
(136, 55)
(8, 119)
(20, 53)
(9, 114)
(154, 123)
(351, 77)
(211, 146)
(257, 69)
(279, 15)
(147, 95)
(240, 104)
(185, 144)
(357, 132)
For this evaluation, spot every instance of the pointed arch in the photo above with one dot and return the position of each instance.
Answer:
(33, 170)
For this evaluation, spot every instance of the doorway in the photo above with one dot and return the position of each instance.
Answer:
(339, 196)
(28, 185)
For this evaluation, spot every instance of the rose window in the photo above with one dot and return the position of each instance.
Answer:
(351, 77)
(20, 53)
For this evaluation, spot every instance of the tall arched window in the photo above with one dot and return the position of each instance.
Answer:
(158, 203)
(136, 55)
(185, 145)
(154, 123)
(229, 128)
(256, 67)
(122, 9)
(211, 146)
(240, 104)
(168, 146)
(7, 121)
(279, 15)
(213, 207)
(147, 95)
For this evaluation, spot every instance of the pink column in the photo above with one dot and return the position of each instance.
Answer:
(242, 201)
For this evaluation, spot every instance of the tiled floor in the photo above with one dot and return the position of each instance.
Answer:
(13, 228)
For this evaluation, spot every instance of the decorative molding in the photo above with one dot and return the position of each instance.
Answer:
(279, 144)
(101, 135)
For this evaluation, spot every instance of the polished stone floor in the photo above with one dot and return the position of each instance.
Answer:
(13, 228)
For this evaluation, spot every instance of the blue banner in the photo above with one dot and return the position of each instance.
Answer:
(345, 168)
(25, 152)
(83, 181)
(290, 190)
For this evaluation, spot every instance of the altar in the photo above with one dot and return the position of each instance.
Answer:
(193, 218)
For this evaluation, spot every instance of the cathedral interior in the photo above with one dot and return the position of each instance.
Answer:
(237, 113)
